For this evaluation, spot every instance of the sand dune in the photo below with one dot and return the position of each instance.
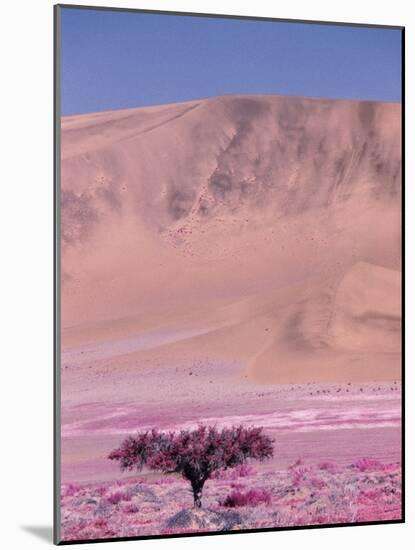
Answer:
(265, 229)
(367, 311)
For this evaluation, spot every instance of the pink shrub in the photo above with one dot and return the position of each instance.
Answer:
(368, 465)
(238, 485)
(244, 470)
(119, 496)
(298, 476)
(71, 490)
(379, 502)
(100, 523)
(253, 497)
(317, 483)
(369, 495)
(295, 464)
(327, 467)
(100, 491)
(130, 509)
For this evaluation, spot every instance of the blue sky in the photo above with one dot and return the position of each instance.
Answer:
(112, 60)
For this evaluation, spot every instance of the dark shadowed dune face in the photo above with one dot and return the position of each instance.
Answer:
(219, 156)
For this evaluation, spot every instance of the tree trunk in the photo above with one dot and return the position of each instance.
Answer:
(197, 494)
(197, 497)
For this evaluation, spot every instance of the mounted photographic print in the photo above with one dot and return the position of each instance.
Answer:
(228, 239)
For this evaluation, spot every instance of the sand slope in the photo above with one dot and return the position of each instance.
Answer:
(262, 229)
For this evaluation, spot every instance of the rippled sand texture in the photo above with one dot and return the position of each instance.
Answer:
(234, 259)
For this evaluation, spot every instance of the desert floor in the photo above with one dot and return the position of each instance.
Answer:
(337, 450)
(314, 422)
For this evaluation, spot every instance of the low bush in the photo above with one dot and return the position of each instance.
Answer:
(71, 490)
(119, 496)
(253, 497)
(368, 465)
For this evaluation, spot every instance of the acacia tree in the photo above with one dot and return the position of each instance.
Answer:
(194, 454)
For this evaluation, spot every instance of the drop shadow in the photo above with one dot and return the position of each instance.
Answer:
(43, 532)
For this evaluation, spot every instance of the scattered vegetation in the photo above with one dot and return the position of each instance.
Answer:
(327, 493)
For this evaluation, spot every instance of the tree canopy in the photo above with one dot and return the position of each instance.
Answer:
(194, 454)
